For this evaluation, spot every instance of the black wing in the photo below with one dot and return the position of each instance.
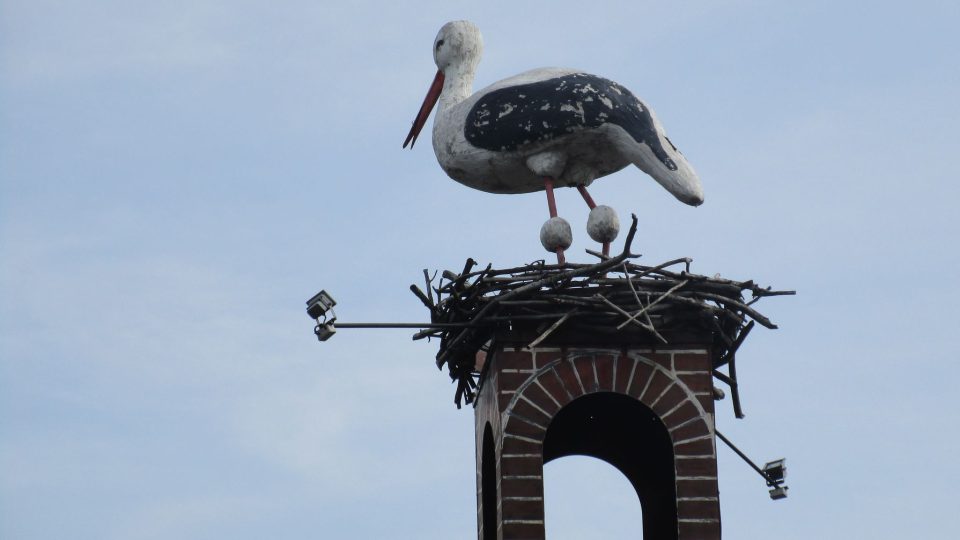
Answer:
(511, 117)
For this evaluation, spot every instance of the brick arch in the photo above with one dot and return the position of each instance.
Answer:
(524, 389)
(662, 388)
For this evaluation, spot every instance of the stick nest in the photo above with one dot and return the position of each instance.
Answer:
(610, 296)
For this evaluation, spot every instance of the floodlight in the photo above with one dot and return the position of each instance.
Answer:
(319, 305)
(775, 471)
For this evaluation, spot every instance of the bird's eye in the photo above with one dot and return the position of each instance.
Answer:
(439, 44)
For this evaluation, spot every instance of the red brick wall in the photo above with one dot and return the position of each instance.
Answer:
(524, 389)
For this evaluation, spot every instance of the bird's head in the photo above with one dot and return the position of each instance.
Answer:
(458, 45)
(456, 51)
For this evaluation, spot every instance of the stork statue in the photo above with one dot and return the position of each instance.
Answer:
(543, 129)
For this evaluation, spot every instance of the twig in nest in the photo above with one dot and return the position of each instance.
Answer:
(650, 305)
(621, 311)
(597, 254)
(553, 327)
(427, 280)
(427, 301)
(743, 307)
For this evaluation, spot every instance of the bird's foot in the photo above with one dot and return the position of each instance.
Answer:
(603, 225)
(556, 236)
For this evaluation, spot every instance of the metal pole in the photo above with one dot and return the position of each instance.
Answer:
(340, 325)
(745, 458)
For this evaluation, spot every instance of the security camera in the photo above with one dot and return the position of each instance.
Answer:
(325, 331)
(779, 492)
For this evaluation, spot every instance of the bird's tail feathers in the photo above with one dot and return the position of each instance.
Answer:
(672, 170)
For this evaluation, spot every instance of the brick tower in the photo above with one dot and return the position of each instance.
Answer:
(646, 411)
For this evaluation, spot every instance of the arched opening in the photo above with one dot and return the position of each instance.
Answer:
(587, 498)
(488, 484)
(628, 435)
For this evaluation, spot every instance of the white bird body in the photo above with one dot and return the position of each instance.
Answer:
(560, 123)
(497, 171)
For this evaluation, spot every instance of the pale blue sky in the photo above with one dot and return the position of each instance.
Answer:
(176, 178)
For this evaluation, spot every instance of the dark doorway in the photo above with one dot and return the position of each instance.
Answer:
(628, 435)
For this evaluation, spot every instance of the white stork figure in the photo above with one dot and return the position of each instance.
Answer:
(545, 128)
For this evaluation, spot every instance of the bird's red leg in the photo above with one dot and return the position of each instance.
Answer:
(551, 201)
(552, 205)
(589, 200)
(586, 196)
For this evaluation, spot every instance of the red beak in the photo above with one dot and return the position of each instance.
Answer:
(428, 102)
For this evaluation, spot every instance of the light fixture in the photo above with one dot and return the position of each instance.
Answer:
(775, 471)
(317, 307)
(319, 304)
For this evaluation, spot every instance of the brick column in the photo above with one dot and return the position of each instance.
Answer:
(524, 391)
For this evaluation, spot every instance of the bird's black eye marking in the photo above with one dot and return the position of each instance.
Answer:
(439, 44)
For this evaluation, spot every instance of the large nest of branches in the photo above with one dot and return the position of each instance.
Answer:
(612, 296)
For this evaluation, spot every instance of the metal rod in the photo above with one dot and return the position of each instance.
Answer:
(339, 325)
(485, 322)
(745, 458)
